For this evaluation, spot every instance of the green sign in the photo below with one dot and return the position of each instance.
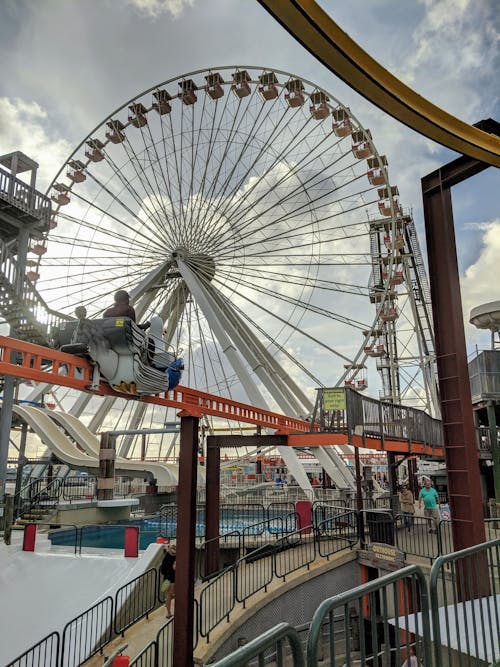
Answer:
(333, 399)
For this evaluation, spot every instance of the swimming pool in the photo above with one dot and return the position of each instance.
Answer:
(107, 536)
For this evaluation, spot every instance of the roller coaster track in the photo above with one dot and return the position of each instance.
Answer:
(43, 364)
(319, 34)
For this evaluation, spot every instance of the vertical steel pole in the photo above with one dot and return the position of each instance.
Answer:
(495, 448)
(212, 508)
(5, 426)
(456, 405)
(185, 566)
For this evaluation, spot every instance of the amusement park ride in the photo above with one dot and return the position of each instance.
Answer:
(242, 264)
(199, 198)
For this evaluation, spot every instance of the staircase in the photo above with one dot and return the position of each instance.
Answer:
(37, 514)
(37, 501)
(24, 219)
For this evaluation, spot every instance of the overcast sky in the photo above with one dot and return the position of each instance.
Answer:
(68, 64)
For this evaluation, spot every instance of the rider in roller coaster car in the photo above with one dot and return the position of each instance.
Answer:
(130, 360)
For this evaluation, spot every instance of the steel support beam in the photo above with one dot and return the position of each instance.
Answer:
(456, 405)
(185, 559)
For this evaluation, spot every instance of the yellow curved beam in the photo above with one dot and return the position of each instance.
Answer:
(316, 31)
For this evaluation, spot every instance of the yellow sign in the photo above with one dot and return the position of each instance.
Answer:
(334, 399)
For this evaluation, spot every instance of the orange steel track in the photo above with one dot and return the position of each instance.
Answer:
(43, 364)
(319, 34)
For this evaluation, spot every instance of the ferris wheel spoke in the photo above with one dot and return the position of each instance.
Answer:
(227, 193)
(125, 226)
(153, 207)
(304, 281)
(291, 173)
(297, 214)
(220, 185)
(304, 306)
(128, 187)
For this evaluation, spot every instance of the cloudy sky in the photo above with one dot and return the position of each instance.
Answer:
(68, 64)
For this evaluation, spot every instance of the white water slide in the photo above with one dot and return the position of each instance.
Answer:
(62, 446)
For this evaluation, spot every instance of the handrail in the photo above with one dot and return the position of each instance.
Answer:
(24, 196)
(257, 647)
(474, 572)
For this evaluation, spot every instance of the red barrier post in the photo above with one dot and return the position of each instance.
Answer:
(132, 542)
(304, 510)
(29, 538)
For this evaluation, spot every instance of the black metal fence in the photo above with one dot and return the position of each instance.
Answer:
(87, 634)
(45, 652)
(256, 564)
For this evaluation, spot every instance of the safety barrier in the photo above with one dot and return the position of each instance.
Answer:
(465, 599)
(217, 601)
(252, 572)
(136, 599)
(87, 634)
(45, 652)
(398, 619)
(272, 641)
(363, 627)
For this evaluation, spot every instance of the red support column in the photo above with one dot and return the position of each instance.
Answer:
(132, 542)
(186, 527)
(456, 405)
(29, 537)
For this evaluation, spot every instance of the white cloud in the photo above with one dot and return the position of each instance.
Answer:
(26, 127)
(155, 8)
(481, 279)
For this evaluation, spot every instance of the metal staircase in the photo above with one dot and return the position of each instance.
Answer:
(24, 220)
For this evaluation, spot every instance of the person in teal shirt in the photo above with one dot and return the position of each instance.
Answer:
(429, 495)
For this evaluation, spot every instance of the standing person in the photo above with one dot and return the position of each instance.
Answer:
(407, 506)
(167, 569)
(431, 503)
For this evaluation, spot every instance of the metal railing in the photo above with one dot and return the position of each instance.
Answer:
(465, 600)
(272, 642)
(87, 634)
(136, 599)
(45, 652)
(362, 622)
(217, 601)
(398, 619)
(23, 196)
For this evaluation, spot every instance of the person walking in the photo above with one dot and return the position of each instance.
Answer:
(407, 506)
(430, 498)
(167, 569)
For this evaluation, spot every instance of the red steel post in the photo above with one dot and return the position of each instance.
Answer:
(186, 528)
(456, 406)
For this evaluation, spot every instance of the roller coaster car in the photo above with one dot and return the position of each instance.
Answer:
(131, 360)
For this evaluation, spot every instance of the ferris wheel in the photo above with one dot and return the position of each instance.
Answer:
(252, 212)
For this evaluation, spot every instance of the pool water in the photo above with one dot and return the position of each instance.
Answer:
(113, 536)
